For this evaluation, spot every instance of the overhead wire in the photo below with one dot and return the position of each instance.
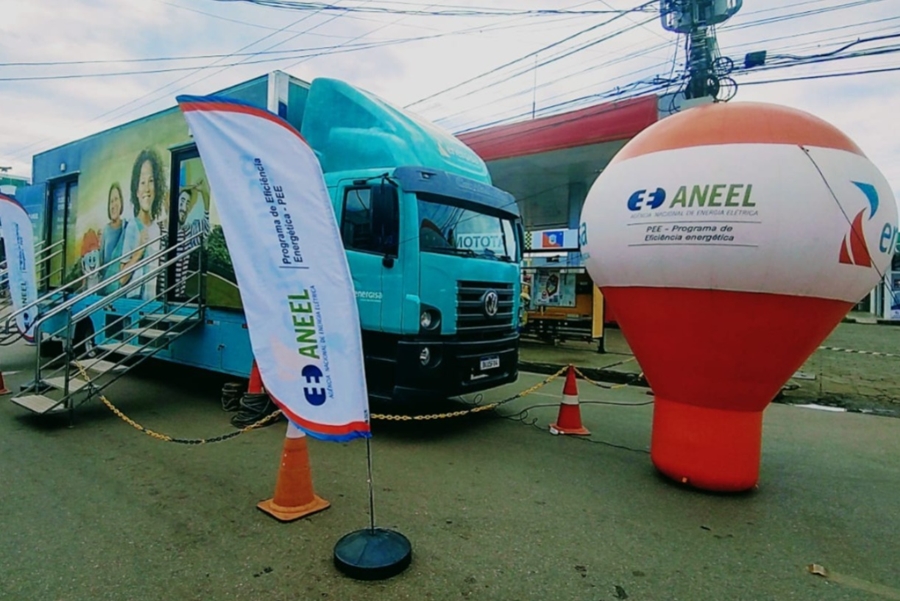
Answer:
(333, 49)
(822, 76)
(647, 82)
(458, 11)
(551, 108)
(748, 24)
(109, 113)
(518, 60)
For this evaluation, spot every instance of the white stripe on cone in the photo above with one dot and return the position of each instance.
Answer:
(570, 399)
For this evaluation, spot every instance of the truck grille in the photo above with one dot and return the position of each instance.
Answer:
(472, 319)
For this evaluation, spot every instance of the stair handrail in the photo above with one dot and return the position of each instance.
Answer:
(96, 306)
(181, 304)
(64, 289)
(195, 309)
(56, 310)
(133, 283)
(94, 387)
(137, 282)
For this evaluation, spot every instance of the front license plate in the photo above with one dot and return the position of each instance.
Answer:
(490, 363)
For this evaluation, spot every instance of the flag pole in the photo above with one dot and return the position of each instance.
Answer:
(372, 553)
(371, 485)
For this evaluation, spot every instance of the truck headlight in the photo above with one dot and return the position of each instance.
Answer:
(429, 319)
(425, 355)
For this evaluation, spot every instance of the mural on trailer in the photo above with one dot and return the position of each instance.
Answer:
(123, 210)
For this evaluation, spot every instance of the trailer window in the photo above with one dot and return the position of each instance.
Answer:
(63, 200)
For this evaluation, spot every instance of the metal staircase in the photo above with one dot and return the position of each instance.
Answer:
(129, 336)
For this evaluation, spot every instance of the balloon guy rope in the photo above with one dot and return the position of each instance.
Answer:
(730, 240)
(298, 296)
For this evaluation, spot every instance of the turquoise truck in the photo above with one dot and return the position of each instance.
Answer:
(434, 250)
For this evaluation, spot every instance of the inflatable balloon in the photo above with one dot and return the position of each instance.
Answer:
(730, 240)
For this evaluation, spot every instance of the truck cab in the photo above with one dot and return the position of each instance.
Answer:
(434, 261)
(434, 249)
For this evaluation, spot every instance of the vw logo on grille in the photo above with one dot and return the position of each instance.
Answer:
(491, 303)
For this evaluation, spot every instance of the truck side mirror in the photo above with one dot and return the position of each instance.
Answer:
(385, 218)
(520, 243)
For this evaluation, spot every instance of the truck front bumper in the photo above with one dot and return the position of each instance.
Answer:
(454, 367)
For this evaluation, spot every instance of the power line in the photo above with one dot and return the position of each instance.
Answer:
(448, 12)
(822, 76)
(555, 58)
(160, 89)
(521, 58)
(283, 54)
(549, 109)
(192, 57)
(748, 24)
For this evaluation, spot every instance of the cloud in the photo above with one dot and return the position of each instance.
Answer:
(39, 115)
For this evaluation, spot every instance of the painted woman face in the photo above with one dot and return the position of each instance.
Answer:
(115, 204)
(146, 187)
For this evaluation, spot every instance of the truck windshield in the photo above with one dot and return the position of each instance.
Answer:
(449, 229)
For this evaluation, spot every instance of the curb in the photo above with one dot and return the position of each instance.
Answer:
(871, 321)
(594, 373)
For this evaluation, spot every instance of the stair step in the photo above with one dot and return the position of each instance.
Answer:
(122, 349)
(38, 403)
(75, 384)
(149, 333)
(101, 366)
(173, 317)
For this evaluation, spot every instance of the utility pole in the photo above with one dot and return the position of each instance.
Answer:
(707, 70)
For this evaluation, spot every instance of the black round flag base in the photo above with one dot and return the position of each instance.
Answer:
(372, 554)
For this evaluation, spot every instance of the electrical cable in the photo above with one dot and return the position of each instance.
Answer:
(19, 150)
(821, 76)
(789, 16)
(468, 128)
(523, 416)
(156, 91)
(518, 60)
(450, 12)
(556, 58)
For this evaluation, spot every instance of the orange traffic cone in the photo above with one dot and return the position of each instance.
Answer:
(569, 419)
(294, 496)
(3, 388)
(255, 386)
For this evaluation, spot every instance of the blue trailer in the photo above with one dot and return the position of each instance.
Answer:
(434, 249)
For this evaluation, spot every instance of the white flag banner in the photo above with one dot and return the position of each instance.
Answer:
(289, 260)
(18, 241)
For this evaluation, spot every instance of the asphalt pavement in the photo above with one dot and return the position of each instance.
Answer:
(495, 508)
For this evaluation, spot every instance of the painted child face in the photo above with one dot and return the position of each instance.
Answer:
(115, 204)
(183, 199)
(146, 187)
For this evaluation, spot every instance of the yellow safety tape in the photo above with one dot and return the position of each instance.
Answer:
(275, 414)
(166, 437)
(607, 386)
(479, 408)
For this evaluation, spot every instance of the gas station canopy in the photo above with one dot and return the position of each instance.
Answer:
(549, 164)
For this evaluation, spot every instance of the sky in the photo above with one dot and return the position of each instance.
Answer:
(447, 68)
